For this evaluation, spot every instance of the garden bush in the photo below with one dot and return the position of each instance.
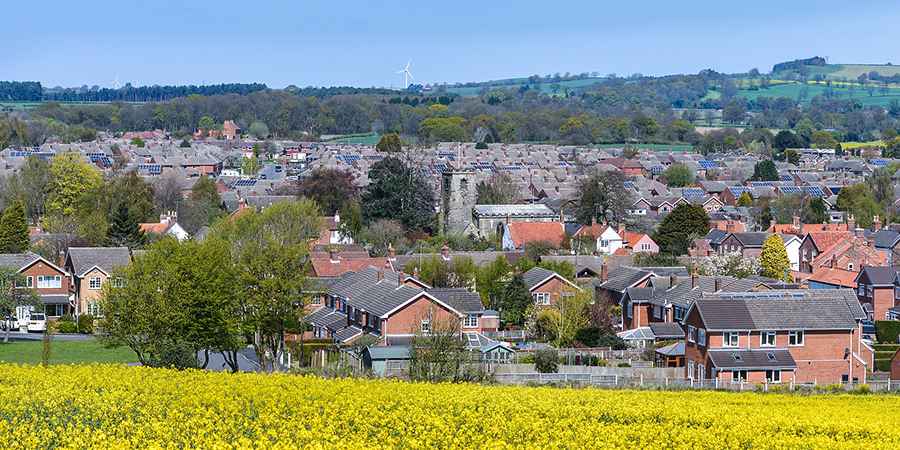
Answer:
(546, 360)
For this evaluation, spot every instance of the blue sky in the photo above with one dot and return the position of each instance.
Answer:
(362, 43)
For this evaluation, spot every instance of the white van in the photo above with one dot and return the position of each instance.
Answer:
(37, 322)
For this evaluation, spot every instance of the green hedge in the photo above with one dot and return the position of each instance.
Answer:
(883, 365)
(887, 331)
(885, 355)
(886, 347)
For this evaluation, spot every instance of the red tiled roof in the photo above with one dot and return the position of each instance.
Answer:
(325, 267)
(594, 230)
(825, 239)
(156, 228)
(523, 233)
(839, 277)
(789, 228)
(632, 237)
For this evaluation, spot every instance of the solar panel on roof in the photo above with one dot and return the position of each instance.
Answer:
(814, 191)
(789, 189)
(707, 164)
(245, 182)
(693, 193)
(761, 183)
(785, 178)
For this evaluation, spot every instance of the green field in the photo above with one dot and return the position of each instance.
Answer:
(515, 83)
(64, 352)
(362, 139)
(795, 91)
(850, 71)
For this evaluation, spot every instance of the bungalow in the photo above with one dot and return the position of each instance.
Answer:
(803, 336)
(50, 282)
(91, 267)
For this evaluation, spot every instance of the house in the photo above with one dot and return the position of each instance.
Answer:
(335, 262)
(885, 241)
(792, 247)
(487, 219)
(393, 307)
(606, 238)
(230, 130)
(643, 337)
(801, 336)
(330, 231)
(517, 235)
(817, 242)
(547, 287)
(895, 366)
(850, 254)
(587, 267)
(671, 355)
(90, 268)
(613, 284)
(640, 243)
(50, 282)
(167, 226)
(832, 278)
(876, 290)
(749, 245)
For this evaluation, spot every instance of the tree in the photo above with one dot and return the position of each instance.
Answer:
(859, 201)
(570, 315)
(381, 234)
(499, 189)
(351, 220)
(14, 236)
(34, 179)
(815, 211)
(206, 124)
(490, 281)
(745, 199)
(137, 142)
(124, 230)
(330, 188)
(250, 166)
(443, 129)
(602, 197)
(731, 264)
(786, 139)
(823, 139)
(14, 294)
(399, 192)
(773, 260)
(389, 143)
(765, 170)
(167, 192)
(678, 229)
(440, 355)
(678, 175)
(71, 177)
(516, 303)
(735, 110)
(270, 252)
(259, 130)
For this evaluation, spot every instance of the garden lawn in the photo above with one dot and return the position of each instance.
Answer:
(64, 352)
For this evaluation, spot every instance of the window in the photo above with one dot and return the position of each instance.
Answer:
(773, 376)
(94, 283)
(541, 298)
(850, 267)
(49, 281)
(691, 333)
(701, 336)
(628, 309)
(53, 310)
(701, 372)
(868, 290)
(678, 313)
(93, 308)
(426, 326)
(316, 300)
(118, 282)
(730, 339)
(470, 321)
(767, 339)
(690, 369)
(861, 290)
(25, 282)
(738, 375)
(604, 243)
(795, 337)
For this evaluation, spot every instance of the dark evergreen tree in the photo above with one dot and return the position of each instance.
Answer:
(684, 223)
(124, 230)
(14, 236)
(765, 171)
(398, 192)
(516, 302)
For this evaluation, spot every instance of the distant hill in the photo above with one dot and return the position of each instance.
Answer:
(817, 68)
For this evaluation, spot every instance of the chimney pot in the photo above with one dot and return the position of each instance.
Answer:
(604, 272)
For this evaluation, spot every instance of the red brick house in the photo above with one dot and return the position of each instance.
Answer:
(547, 287)
(876, 290)
(747, 244)
(815, 243)
(51, 282)
(801, 336)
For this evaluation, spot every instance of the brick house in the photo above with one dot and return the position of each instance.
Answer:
(895, 366)
(815, 243)
(802, 336)
(747, 244)
(91, 267)
(50, 282)
(517, 235)
(547, 287)
(393, 307)
(230, 130)
(876, 290)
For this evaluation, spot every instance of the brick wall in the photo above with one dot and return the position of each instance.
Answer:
(408, 320)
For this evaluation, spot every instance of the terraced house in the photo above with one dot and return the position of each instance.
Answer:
(801, 336)
(393, 307)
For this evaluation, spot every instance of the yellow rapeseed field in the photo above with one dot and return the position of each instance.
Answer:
(128, 407)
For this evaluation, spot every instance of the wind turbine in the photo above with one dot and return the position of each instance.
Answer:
(407, 75)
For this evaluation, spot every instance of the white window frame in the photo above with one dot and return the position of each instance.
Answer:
(792, 336)
(763, 338)
(49, 281)
(425, 326)
(93, 308)
(470, 321)
(690, 369)
(739, 375)
(691, 331)
(95, 287)
(701, 336)
(541, 298)
(701, 372)
(773, 376)
(726, 341)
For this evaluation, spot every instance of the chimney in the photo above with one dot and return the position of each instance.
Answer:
(673, 280)
(562, 215)
(717, 284)
(622, 231)
(772, 224)
(391, 253)
(876, 223)
(833, 260)
(695, 278)
(796, 222)
(379, 275)
(604, 272)
(593, 221)
(851, 223)
(445, 253)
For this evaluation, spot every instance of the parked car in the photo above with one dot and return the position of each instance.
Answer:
(37, 322)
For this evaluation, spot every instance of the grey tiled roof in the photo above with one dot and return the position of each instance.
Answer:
(17, 261)
(55, 299)
(535, 275)
(348, 333)
(460, 299)
(815, 309)
(886, 238)
(624, 277)
(533, 209)
(878, 275)
(666, 330)
(580, 262)
(751, 239)
(752, 359)
(83, 259)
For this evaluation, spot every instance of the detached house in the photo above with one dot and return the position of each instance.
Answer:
(804, 336)
(50, 282)
(876, 290)
(547, 287)
(90, 268)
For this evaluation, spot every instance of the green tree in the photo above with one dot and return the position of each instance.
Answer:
(351, 219)
(570, 314)
(602, 197)
(443, 129)
(745, 199)
(765, 170)
(206, 124)
(858, 200)
(124, 230)
(517, 302)
(330, 188)
(259, 130)
(490, 281)
(678, 175)
(71, 177)
(677, 230)
(14, 236)
(389, 143)
(250, 166)
(773, 260)
(823, 139)
(399, 192)
(815, 211)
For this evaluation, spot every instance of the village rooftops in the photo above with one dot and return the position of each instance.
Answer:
(107, 259)
(814, 309)
(526, 210)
